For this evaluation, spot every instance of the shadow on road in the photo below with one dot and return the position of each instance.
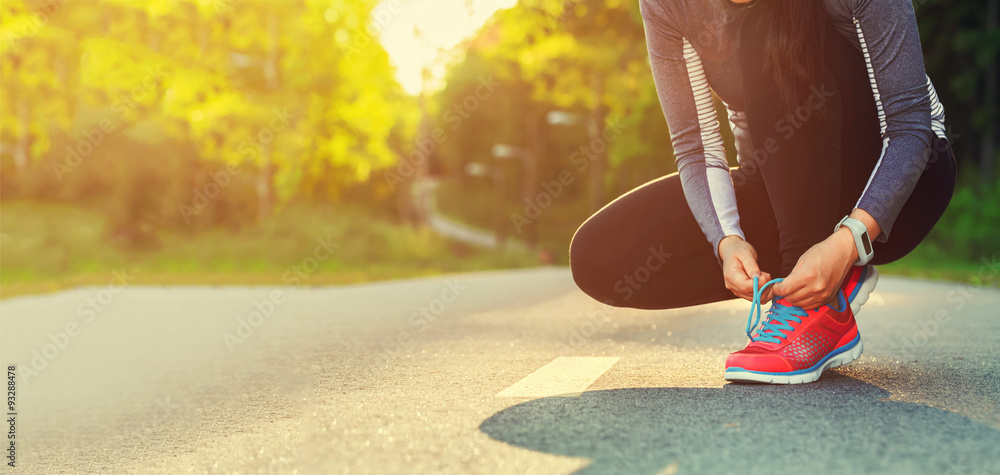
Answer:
(837, 425)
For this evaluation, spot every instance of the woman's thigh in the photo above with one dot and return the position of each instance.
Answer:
(925, 206)
(802, 147)
(645, 249)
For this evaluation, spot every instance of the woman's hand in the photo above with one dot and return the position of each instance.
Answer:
(819, 273)
(739, 266)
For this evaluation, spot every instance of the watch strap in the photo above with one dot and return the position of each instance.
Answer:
(861, 239)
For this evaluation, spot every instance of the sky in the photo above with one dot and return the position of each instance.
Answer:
(445, 23)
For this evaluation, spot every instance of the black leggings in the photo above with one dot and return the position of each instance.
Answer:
(645, 249)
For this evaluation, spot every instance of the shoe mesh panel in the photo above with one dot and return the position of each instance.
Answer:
(808, 348)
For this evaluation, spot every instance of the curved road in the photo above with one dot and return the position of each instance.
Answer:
(503, 372)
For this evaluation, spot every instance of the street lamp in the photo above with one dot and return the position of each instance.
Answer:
(477, 169)
(561, 118)
(502, 151)
(596, 170)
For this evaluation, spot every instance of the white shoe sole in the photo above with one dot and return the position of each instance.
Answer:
(865, 291)
(839, 360)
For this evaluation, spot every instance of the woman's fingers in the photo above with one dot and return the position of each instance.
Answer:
(740, 268)
(791, 287)
(737, 282)
(805, 294)
(801, 298)
(768, 293)
(745, 277)
(750, 266)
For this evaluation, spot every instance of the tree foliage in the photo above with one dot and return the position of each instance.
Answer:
(297, 95)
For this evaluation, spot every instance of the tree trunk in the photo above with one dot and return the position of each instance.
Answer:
(987, 149)
(203, 34)
(404, 203)
(24, 139)
(499, 204)
(422, 167)
(535, 143)
(273, 54)
(597, 146)
(264, 185)
(265, 178)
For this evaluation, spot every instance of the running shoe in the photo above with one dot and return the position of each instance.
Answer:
(858, 285)
(793, 345)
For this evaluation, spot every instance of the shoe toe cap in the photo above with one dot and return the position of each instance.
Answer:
(758, 361)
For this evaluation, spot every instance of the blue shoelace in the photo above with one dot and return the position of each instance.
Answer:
(778, 319)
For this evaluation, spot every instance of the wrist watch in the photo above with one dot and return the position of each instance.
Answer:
(860, 232)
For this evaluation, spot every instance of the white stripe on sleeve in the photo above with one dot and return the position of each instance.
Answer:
(720, 181)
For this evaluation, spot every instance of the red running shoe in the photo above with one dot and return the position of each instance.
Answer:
(793, 345)
(858, 285)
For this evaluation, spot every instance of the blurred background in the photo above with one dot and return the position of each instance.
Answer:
(228, 141)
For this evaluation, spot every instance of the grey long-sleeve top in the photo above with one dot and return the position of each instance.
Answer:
(693, 50)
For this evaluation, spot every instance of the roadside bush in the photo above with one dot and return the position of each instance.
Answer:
(970, 228)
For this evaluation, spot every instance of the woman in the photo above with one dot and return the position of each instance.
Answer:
(844, 164)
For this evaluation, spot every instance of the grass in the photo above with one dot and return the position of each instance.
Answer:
(927, 262)
(559, 221)
(46, 247)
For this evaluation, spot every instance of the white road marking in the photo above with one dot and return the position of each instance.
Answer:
(563, 376)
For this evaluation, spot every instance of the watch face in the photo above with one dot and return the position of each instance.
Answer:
(867, 243)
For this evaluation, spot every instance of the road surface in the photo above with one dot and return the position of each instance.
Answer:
(503, 372)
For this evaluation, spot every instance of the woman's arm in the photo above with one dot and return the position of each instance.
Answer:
(686, 100)
(890, 41)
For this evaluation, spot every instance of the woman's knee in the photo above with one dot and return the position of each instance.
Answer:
(585, 263)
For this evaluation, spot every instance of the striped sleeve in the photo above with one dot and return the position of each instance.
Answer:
(909, 113)
(686, 100)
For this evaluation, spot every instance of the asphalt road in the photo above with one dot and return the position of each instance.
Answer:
(360, 379)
